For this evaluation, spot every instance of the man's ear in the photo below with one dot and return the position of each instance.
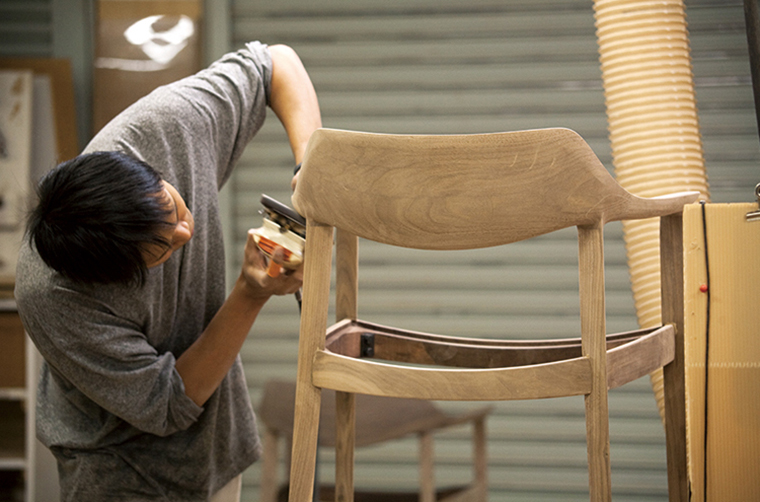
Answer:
(181, 234)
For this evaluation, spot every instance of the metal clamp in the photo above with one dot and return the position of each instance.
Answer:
(755, 215)
(367, 345)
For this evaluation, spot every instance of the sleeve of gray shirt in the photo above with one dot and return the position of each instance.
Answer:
(103, 361)
(219, 108)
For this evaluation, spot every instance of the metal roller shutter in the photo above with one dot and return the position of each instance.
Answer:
(26, 28)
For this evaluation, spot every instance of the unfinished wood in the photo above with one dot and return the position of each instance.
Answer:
(382, 187)
(672, 284)
(406, 346)
(345, 443)
(427, 467)
(346, 294)
(550, 178)
(593, 329)
(480, 459)
(356, 327)
(640, 357)
(347, 275)
(565, 378)
(316, 291)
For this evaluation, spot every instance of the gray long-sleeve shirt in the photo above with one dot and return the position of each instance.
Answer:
(111, 405)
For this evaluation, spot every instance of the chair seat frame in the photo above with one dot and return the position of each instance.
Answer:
(499, 366)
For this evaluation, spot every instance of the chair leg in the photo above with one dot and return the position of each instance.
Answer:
(316, 293)
(480, 459)
(598, 439)
(594, 346)
(675, 433)
(671, 253)
(427, 475)
(345, 421)
(304, 452)
(269, 467)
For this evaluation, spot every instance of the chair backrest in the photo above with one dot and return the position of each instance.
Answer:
(462, 191)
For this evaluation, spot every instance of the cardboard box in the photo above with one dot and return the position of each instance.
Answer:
(722, 338)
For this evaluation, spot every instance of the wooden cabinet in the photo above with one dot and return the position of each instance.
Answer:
(27, 469)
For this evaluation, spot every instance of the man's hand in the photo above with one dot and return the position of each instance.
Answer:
(258, 283)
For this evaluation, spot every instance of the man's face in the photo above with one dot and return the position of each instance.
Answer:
(178, 235)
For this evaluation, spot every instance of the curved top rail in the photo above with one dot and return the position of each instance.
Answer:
(463, 191)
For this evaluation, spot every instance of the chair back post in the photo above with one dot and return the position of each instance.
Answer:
(593, 346)
(316, 298)
(671, 270)
(346, 275)
(346, 307)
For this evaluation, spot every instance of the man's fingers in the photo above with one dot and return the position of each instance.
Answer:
(267, 273)
(274, 269)
(278, 255)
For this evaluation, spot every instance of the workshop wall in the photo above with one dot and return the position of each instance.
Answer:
(26, 28)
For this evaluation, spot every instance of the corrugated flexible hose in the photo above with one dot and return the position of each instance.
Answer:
(653, 128)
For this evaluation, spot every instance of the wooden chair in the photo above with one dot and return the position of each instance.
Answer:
(378, 419)
(466, 192)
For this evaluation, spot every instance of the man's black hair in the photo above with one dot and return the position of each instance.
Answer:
(96, 215)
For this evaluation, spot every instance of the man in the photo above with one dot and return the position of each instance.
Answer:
(121, 287)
